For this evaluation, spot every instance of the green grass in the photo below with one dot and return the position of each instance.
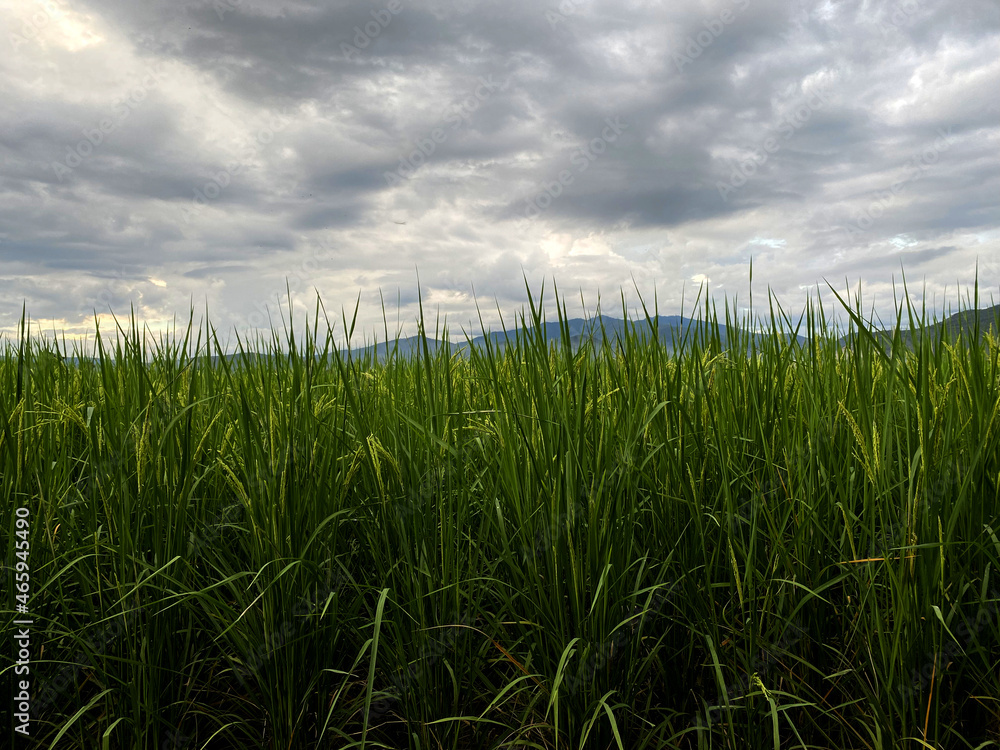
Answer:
(534, 547)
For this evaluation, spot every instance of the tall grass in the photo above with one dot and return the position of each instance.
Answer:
(535, 545)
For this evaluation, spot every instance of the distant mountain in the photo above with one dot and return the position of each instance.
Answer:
(957, 325)
(673, 330)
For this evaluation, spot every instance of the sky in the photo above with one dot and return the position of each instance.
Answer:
(163, 157)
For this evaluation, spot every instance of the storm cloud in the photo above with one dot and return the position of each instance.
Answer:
(166, 155)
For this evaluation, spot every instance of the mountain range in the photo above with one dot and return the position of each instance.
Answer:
(674, 328)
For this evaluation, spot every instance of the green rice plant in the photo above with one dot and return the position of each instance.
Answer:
(605, 540)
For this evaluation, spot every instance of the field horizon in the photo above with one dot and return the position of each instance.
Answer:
(546, 544)
(674, 331)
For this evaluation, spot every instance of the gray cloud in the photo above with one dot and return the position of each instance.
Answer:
(346, 148)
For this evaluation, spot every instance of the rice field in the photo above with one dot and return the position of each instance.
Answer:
(535, 546)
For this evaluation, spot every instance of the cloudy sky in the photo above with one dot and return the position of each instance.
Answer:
(161, 155)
